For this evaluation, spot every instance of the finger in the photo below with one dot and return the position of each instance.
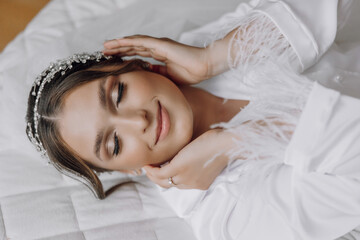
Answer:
(125, 50)
(146, 53)
(116, 43)
(162, 173)
(138, 171)
(115, 51)
(135, 53)
(157, 47)
(164, 183)
(128, 54)
(132, 52)
(140, 41)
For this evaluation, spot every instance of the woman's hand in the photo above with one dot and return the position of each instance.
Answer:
(197, 164)
(183, 64)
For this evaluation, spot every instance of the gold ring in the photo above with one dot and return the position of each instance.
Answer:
(171, 182)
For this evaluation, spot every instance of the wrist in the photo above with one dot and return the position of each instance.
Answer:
(217, 58)
(229, 142)
(222, 144)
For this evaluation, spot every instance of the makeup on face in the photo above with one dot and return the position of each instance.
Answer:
(163, 123)
(128, 144)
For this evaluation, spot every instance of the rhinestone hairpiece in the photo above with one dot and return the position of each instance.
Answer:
(60, 66)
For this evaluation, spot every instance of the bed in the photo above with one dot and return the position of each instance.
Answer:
(37, 202)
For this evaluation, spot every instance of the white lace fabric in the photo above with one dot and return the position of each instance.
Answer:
(260, 57)
(269, 194)
(257, 41)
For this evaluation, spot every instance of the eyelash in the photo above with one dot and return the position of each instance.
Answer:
(116, 145)
(120, 93)
(116, 139)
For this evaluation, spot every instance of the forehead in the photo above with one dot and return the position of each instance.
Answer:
(79, 118)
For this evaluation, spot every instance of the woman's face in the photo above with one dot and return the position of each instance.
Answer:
(127, 121)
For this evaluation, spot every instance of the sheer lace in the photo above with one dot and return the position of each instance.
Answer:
(257, 41)
(260, 57)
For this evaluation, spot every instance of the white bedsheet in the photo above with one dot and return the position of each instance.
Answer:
(36, 202)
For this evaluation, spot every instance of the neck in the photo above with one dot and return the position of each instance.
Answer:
(209, 109)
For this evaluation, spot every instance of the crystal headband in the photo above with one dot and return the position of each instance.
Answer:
(60, 66)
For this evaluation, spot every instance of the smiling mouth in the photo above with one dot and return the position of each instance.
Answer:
(163, 121)
(159, 123)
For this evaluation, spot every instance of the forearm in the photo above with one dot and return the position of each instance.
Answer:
(226, 143)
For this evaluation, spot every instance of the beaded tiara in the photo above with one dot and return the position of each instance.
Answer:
(60, 66)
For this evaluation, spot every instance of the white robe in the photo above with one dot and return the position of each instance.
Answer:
(308, 187)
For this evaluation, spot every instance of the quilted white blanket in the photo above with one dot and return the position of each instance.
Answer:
(36, 202)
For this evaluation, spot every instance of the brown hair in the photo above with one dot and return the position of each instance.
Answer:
(50, 105)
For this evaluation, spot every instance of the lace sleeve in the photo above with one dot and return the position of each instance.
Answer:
(258, 40)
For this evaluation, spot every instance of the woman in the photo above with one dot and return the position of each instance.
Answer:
(115, 116)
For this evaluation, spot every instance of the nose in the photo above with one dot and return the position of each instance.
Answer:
(134, 119)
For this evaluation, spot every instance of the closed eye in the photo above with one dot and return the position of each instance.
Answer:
(120, 93)
(116, 145)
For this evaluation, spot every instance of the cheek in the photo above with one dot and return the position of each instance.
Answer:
(135, 154)
(143, 88)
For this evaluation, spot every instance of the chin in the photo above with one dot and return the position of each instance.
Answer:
(174, 152)
(179, 137)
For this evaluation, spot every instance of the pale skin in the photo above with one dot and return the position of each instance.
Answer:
(190, 142)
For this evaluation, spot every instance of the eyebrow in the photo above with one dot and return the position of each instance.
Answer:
(102, 93)
(103, 103)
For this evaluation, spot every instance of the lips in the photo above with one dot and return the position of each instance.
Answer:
(163, 123)
(159, 123)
